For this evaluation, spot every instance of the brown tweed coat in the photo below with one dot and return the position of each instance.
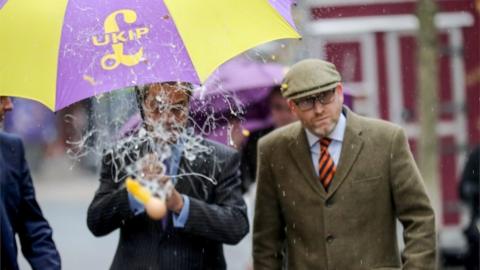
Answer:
(353, 226)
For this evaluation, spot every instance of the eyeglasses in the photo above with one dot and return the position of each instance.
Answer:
(308, 103)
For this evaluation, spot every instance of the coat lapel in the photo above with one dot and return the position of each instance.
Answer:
(301, 155)
(351, 147)
(192, 185)
(185, 183)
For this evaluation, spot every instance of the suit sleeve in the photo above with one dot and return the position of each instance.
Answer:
(225, 220)
(110, 207)
(412, 206)
(33, 229)
(268, 224)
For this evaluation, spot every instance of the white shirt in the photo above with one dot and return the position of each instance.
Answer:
(335, 147)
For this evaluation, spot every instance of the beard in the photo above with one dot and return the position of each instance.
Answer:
(323, 130)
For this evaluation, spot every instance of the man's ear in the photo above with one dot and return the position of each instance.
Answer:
(292, 106)
(340, 88)
(340, 92)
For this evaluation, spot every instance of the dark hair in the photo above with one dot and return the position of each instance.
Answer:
(140, 98)
(274, 91)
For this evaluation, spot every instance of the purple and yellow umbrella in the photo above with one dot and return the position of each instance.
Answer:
(58, 52)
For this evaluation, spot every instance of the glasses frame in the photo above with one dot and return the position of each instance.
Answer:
(308, 103)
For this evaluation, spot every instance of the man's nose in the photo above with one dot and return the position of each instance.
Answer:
(318, 107)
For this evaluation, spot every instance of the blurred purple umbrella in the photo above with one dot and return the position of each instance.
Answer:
(238, 89)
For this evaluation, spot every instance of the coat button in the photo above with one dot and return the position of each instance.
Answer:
(330, 239)
(328, 203)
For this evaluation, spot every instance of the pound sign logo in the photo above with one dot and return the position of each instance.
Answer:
(116, 37)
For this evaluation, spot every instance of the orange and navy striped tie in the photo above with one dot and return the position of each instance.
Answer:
(326, 165)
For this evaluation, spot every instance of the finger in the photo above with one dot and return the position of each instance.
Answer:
(164, 179)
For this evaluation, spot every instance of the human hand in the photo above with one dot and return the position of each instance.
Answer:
(154, 206)
(151, 169)
(175, 201)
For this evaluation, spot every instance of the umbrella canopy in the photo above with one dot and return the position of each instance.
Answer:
(61, 51)
(241, 73)
(239, 89)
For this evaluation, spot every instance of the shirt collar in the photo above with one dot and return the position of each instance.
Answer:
(336, 135)
(173, 162)
(177, 148)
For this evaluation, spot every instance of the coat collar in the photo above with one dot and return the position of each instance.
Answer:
(202, 166)
(300, 151)
(352, 145)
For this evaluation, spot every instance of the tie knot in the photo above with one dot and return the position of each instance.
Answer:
(325, 142)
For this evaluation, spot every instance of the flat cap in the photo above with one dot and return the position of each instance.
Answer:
(308, 77)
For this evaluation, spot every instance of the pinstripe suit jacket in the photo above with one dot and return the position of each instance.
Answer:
(217, 215)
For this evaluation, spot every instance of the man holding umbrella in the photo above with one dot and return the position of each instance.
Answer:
(202, 215)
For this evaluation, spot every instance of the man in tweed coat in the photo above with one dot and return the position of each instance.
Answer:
(332, 186)
(202, 216)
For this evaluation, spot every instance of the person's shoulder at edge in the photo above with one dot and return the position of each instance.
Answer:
(10, 143)
(8, 138)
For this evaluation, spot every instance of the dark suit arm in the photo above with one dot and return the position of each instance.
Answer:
(268, 233)
(33, 229)
(225, 220)
(110, 206)
(412, 206)
(469, 183)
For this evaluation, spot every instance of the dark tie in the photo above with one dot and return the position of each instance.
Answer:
(326, 166)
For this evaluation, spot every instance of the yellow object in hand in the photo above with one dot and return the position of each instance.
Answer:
(155, 207)
(140, 193)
